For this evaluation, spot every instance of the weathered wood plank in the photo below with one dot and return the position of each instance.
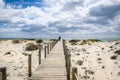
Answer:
(48, 78)
(53, 67)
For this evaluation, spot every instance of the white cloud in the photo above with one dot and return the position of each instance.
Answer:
(61, 17)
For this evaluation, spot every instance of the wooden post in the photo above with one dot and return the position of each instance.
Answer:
(40, 55)
(68, 67)
(45, 52)
(47, 48)
(29, 65)
(74, 71)
(3, 73)
(50, 46)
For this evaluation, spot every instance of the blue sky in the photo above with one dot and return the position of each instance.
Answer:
(68, 18)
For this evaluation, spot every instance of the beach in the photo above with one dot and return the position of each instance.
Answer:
(14, 57)
(95, 60)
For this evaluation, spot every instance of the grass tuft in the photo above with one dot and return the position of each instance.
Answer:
(117, 52)
(31, 47)
(7, 53)
(73, 42)
(39, 41)
(79, 62)
(15, 41)
(114, 57)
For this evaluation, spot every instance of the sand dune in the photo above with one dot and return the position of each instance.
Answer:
(96, 61)
(13, 56)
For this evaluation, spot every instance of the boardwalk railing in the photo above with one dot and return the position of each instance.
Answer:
(71, 71)
(47, 49)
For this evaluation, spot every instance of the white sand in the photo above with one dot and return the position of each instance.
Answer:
(17, 62)
(103, 69)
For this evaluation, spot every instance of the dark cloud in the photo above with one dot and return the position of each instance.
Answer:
(107, 11)
(100, 21)
(71, 5)
(102, 14)
(31, 28)
(4, 21)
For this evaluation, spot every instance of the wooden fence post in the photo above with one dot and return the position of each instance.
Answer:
(47, 48)
(68, 66)
(74, 72)
(29, 65)
(40, 55)
(3, 73)
(52, 45)
(45, 52)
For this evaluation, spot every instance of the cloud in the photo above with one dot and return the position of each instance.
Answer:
(106, 11)
(69, 18)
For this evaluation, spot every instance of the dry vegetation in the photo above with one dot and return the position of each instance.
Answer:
(39, 41)
(114, 57)
(31, 47)
(15, 41)
(83, 42)
(94, 58)
(73, 41)
(117, 52)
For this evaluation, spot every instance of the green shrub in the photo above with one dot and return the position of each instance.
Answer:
(79, 62)
(73, 42)
(39, 41)
(114, 57)
(15, 41)
(103, 67)
(31, 47)
(117, 52)
(89, 72)
(94, 40)
(83, 42)
(99, 59)
(7, 53)
(30, 39)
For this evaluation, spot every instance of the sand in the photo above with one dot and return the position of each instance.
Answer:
(94, 61)
(16, 61)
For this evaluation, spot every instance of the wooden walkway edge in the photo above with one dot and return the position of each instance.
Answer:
(53, 67)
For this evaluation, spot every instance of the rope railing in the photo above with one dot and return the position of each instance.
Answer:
(47, 49)
(71, 71)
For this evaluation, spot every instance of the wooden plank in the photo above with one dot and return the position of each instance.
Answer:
(48, 78)
(53, 67)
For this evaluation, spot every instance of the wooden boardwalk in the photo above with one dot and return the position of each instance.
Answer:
(53, 67)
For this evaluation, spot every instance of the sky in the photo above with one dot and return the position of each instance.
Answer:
(68, 18)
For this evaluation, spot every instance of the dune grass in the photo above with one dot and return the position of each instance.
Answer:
(31, 47)
(15, 41)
